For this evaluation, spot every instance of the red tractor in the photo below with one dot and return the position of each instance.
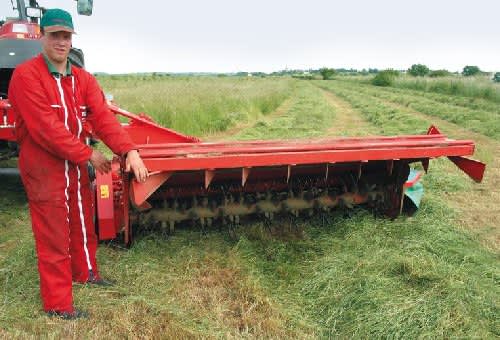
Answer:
(20, 41)
(216, 184)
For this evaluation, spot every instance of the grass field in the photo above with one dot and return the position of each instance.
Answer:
(433, 275)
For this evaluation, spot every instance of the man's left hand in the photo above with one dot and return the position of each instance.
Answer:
(135, 163)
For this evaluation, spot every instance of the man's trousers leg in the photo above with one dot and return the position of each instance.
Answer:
(83, 244)
(50, 225)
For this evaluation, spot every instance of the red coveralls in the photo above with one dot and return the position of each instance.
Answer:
(53, 165)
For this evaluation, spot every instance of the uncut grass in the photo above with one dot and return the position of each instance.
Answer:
(341, 276)
(478, 120)
(198, 105)
(473, 87)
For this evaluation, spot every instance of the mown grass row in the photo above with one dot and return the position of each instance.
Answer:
(478, 120)
(474, 103)
(198, 106)
(309, 115)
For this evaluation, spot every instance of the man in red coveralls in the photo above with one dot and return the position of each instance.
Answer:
(48, 95)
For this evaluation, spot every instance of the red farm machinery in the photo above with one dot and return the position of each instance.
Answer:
(219, 183)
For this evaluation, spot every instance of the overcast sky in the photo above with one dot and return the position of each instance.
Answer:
(258, 35)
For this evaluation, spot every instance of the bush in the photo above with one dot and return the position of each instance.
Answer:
(385, 78)
(470, 71)
(496, 77)
(327, 73)
(439, 73)
(418, 70)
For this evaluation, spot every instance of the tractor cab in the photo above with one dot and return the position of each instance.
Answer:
(20, 38)
(19, 41)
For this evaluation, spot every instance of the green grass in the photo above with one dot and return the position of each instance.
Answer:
(483, 119)
(345, 275)
(308, 116)
(473, 87)
(198, 106)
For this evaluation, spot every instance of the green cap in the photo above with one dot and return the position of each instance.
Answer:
(55, 20)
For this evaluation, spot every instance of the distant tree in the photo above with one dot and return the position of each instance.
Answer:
(470, 71)
(439, 73)
(327, 73)
(496, 77)
(418, 70)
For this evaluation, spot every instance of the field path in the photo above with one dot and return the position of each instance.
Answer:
(348, 121)
(282, 109)
(480, 206)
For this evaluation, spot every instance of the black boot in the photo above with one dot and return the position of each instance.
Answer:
(75, 314)
(101, 282)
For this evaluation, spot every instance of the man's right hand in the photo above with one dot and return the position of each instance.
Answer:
(100, 162)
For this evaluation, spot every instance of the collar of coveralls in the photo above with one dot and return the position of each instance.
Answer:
(54, 71)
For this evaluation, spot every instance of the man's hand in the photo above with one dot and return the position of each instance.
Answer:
(135, 163)
(100, 162)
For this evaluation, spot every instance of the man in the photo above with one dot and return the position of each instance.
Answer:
(48, 95)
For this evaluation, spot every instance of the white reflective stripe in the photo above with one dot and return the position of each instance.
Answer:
(82, 220)
(66, 165)
(80, 206)
(66, 174)
(55, 106)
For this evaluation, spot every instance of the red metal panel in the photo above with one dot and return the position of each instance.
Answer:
(197, 162)
(471, 167)
(291, 142)
(201, 150)
(139, 192)
(105, 206)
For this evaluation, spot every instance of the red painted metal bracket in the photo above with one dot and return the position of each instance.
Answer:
(139, 192)
(474, 169)
(105, 206)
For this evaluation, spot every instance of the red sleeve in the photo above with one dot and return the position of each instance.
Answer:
(30, 102)
(105, 124)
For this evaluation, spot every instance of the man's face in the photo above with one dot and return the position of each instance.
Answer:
(57, 45)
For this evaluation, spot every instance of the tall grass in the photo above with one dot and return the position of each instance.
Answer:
(473, 87)
(198, 105)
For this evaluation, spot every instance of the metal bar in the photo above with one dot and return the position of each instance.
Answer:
(245, 172)
(319, 157)
(196, 151)
(298, 141)
(209, 176)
